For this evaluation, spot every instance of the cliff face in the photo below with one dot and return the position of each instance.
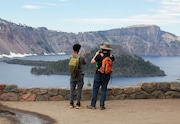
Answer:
(23, 39)
(146, 40)
(139, 40)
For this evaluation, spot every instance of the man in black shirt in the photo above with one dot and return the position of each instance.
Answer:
(100, 79)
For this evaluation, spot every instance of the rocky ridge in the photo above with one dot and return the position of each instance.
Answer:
(139, 39)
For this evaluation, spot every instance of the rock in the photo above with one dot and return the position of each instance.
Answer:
(163, 86)
(11, 88)
(2, 86)
(9, 97)
(157, 95)
(149, 87)
(131, 90)
(86, 94)
(63, 92)
(28, 97)
(175, 86)
(172, 94)
(139, 95)
(53, 92)
(56, 98)
(116, 91)
(42, 98)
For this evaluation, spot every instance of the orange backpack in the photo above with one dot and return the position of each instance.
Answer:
(106, 67)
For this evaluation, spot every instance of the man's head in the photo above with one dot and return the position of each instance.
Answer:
(76, 47)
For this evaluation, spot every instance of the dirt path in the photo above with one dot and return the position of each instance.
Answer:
(149, 111)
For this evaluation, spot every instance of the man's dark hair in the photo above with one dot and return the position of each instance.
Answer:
(76, 47)
(106, 50)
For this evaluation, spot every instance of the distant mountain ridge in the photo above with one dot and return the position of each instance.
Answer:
(147, 40)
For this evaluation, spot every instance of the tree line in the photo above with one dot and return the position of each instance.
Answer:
(124, 66)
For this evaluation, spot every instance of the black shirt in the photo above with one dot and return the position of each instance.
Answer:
(99, 59)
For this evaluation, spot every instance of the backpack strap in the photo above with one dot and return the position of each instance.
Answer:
(78, 56)
(71, 56)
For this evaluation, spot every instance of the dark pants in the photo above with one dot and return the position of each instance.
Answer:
(79, 82)
(99, 80)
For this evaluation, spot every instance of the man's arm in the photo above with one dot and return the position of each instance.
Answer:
(93, 59)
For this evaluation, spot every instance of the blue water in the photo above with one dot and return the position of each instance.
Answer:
(21, 76)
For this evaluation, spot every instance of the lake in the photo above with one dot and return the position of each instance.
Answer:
(21, 76)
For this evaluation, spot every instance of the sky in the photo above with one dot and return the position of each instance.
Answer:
(92, 15)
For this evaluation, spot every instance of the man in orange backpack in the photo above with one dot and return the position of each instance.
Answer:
(104, 60)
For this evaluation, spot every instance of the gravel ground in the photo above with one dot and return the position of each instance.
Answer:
(145, 111)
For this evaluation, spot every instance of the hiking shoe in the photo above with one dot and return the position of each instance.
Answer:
(71, 105)
(78, 106)
(102, 108)
(90, 107)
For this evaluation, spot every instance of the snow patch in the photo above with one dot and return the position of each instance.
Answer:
(13, 55)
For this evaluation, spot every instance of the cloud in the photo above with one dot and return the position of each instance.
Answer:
(32, 7)
(50, 4)
(42, 5)
(170, 6)
(63, 0)
(168, 12)
(138, 19)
